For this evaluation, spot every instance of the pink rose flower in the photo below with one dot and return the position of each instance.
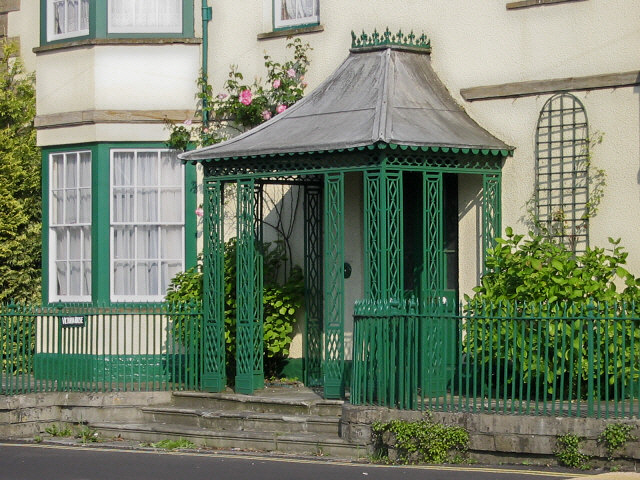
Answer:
(281, 108)
(266, 114)
(199, 212)
(291, 73)
(222, 96)
(245, 97)
(304, 84)
(187, 122)
(276, 83)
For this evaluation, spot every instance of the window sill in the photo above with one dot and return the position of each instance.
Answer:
(288, 32)
(91, 42)
(535, 3)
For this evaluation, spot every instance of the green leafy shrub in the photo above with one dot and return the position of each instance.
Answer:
(17, 341)
(170, 444)
(615, 436)
(542, 280)
(568, 452)
(281, 302)
(423, 441)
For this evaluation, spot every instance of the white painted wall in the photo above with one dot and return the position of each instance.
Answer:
(24, 23)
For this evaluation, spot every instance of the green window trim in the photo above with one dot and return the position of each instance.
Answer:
(98, 25)
(100, 225)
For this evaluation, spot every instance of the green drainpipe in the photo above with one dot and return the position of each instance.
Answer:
(206, 18)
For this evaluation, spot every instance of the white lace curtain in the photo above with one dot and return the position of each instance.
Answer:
(70, 16)
(147, 222)
(145, 16)
(292, 9)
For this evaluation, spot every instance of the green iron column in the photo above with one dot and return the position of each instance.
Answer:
(491, 212)
(313, 284)
(433, 279)
(334, 285)
(258, 277)
(248, 286)
(213, 340)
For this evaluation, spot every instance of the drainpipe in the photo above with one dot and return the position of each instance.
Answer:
(206, 18)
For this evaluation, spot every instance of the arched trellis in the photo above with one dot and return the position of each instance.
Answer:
(322, 176)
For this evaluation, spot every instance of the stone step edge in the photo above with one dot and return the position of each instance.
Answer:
(243, 415)
(240, 398)
(244, 435)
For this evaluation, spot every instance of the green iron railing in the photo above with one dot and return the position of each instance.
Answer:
(521, 359)
(91, 348)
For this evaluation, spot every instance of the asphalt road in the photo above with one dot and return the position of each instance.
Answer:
(54, 462)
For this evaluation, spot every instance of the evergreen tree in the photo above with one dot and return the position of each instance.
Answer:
(20, 204)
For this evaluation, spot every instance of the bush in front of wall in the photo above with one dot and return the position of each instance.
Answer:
(424, 441)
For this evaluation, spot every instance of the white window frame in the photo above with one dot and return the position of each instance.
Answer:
(135, 297)
(279, 22)
(113, 28)
(55, 227)
(51, 35)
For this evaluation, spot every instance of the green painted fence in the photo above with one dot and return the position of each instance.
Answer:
(92, 348)
(522, 359)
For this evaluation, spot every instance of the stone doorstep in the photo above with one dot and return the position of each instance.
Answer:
(269, 441)
(303, 401)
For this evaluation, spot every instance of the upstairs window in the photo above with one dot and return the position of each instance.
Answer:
(562, 172)
(145, 16)
(294, 13)
(67, 19)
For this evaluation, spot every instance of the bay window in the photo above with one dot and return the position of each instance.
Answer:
(70, 226)
(147, 223)
(292, 13)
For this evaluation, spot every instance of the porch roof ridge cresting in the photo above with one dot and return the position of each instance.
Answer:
(385, 92)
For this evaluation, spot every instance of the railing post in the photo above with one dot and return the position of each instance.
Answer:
(590, 346)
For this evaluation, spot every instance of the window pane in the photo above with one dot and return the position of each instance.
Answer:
(172, 239)
(61, 243)
(123, 243)
(170, 169)
(75, 244)
(123, 168)
(84, 15)
(57, 208)
(86, 278)
(123, 278)
(75, 278)
(57, 171)
(85, 205)
(71, 171)
(147, 242)
(59, 24)
(295, 12)
(122, 205)
(147, 168)
(71, 206)
(147, 278)
(171, 209)
(169, 270)
(61, 278)
(147, 205)
(72, 15)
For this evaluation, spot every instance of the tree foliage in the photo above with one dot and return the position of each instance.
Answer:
(20, 205)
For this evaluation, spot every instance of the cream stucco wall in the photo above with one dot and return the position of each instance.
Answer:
(482, 43)
(25, 24)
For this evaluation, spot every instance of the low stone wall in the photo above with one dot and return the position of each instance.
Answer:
(495, 437)
(24, 416)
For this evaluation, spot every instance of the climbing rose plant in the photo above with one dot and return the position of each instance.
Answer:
(241, 105)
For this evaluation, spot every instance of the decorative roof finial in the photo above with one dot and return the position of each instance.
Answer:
(387, 38)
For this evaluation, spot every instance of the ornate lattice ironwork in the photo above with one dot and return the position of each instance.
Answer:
(387, 38)
(213, 338)
(313, 285)
(258, 279)
(491, 212)
(246, 290)
(393, 245)
(562, 171)
(373, 277)
(432, 281)
(334, 285)
(360, 159)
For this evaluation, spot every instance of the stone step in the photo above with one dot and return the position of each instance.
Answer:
(235, 420)
(293, 443)
(287, 401)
